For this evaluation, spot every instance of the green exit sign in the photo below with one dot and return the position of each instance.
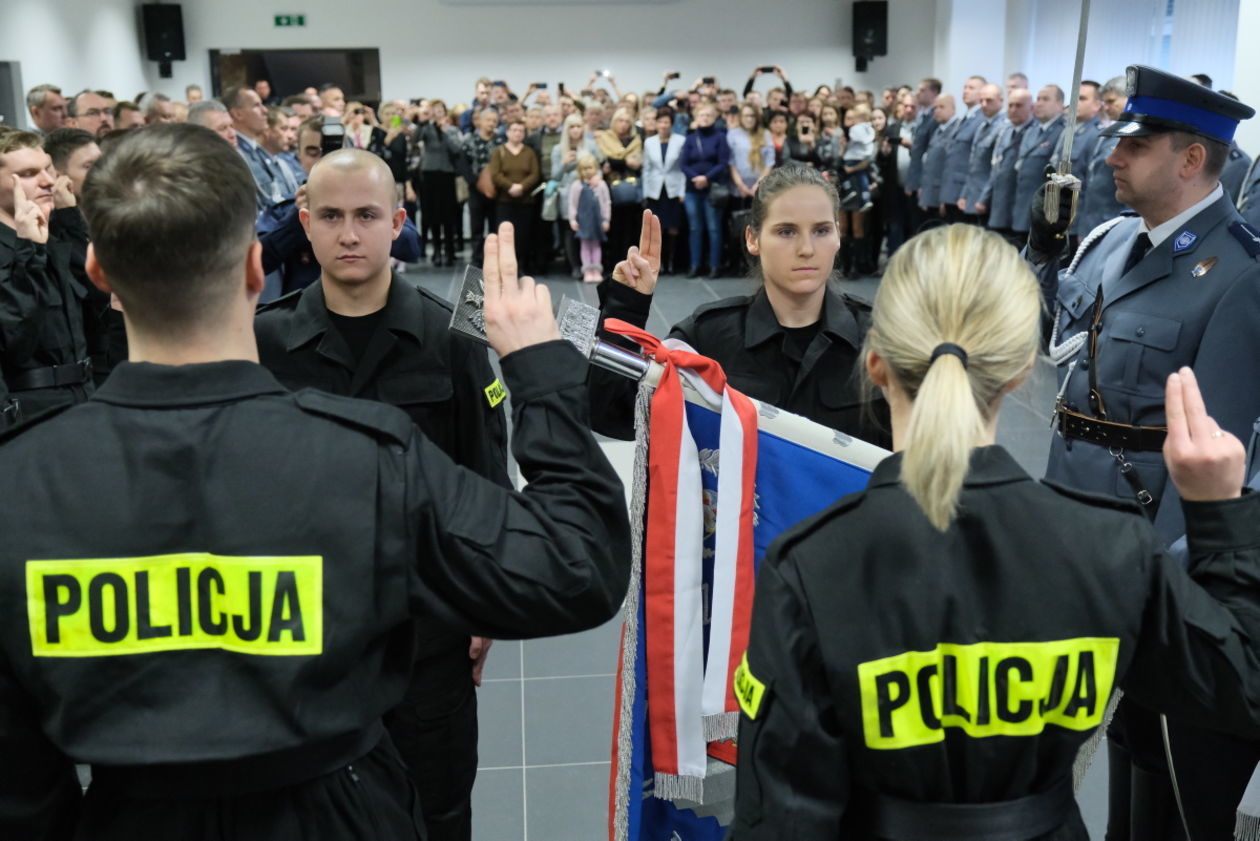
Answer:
(290, 20)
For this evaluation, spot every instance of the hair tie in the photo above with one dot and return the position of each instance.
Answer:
(948, 348)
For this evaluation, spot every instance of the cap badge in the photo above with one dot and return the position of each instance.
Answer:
(1203, 267)
(1128, 128)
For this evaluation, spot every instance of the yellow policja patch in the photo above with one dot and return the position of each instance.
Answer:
(106, 607)
(495, 393)
(986, 689)
(748, 690)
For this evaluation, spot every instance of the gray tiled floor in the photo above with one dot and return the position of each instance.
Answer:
(548, 780)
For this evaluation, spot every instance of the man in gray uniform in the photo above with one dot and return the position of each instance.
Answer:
(1036, 151)
(1177, 284)
(1097, 202)
(1249, 201)
(998, 195)
(947, 122)
(1088, 125)
(1237, 165)
(924, 128)
(980, 162)
(958, 155)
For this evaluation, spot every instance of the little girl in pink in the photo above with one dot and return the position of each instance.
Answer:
(590, 214)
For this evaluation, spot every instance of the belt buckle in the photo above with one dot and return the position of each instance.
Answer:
(11, 411)
(85, 369)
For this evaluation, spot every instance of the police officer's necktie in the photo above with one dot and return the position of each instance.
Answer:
(1140, 246)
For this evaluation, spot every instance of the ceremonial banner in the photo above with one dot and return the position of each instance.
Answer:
(717, 477)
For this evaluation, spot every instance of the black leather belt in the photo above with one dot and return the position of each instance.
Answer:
(1119, 436)
(73, 373)
(248, 775)
(1010, 820)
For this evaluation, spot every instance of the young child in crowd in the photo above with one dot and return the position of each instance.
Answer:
(590, 214)
(860, 151)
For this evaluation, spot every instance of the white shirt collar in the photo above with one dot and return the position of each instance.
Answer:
(1162, 232)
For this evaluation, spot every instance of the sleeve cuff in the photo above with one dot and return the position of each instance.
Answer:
(542, 369)
(620, 301)
(1223, 525)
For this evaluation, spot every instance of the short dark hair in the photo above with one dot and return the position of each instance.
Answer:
(1216, 151)
(665, 111)
(64, 142)
(171, 214)
(296, 99)
(1091, 83)
(124, 105)
(934, 84)
(327, 86)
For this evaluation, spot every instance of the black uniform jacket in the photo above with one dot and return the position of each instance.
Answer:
(413, 362)
(743, 335)
(199, 565)
(41, 320)
(969, 666)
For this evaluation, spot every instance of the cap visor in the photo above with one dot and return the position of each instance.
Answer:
(1125, 128)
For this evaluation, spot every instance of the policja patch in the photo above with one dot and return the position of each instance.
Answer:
(748, 690)
(495, 393)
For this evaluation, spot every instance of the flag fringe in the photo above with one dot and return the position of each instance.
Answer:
(720, 727)
(1085, 756)
(630, 617)
(1247, 827)
(679, 787)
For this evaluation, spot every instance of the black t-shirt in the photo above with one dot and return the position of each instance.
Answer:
(796, 340)
(357, 330)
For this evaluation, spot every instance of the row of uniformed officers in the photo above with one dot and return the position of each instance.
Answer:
(208, 581)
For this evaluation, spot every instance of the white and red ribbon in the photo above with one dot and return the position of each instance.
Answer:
(690, 697)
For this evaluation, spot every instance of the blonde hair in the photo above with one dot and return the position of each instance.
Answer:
(861, 112)
(757, 136)
(966, 286)
(569, 122)
(586, 163)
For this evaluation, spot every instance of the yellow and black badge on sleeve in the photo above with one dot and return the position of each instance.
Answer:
(495, 393)
(105, 607)
(986, 689)
(749, 691)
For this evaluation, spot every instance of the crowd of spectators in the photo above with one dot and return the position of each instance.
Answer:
(903, 158)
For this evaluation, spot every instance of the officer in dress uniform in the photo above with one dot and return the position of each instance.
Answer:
(360, 332)
(210, 600)
(1178, 283)
(1088, 125)
(925, 126)
(934, 161)
(999, 191)
(1036, 151)
(1097, 202)
(958, 156)
(980, 162)
(1249, 200)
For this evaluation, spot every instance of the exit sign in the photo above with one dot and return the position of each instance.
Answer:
(290, 20)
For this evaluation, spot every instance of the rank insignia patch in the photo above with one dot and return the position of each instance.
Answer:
(1184, 240)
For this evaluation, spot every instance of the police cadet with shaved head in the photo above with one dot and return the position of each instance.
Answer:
(1175, 283)
(362, 331)
(210, 600)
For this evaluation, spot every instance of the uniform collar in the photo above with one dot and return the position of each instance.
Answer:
(990, 465)
(1162, 232)
(402, 314)
(148, 384)
(762, 324)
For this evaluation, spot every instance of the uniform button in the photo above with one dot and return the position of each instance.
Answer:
(1084, 364)
(1141, 331)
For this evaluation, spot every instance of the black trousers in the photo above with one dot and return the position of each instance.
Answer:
(521, 215)
(481, 220)
(438, 211)
(435, 729)
(369, 799)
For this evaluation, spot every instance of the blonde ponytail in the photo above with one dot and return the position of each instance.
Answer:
(967, 287)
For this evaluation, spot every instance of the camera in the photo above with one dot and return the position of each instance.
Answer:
(603, 73)
(709, 80)
(673, 74)
(542, 86)
(332, 136)
(769, 68)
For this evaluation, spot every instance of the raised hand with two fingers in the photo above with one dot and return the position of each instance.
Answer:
(1204, 461)
(517, 310)
(642, 266)
(29, 220)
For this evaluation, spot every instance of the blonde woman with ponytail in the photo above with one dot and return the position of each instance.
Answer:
(928, 656)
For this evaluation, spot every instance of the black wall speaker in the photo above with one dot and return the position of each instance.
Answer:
(163, 31)
(870, 29)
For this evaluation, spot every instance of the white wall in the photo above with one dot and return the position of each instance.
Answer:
(429, 47)
(74, 44)
(1247, 74)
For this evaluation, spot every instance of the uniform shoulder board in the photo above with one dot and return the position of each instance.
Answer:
(33, 421)
(1247, 237)
(376, 419)
(855, 304)
(724, 304)
(287, 301)
(441, 302)
(1235, 153)
(1090, 498)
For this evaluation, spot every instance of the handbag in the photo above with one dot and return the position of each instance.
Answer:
(626, 191)
(485, 184)
(719, 195)
(550, 211)
(461, 189)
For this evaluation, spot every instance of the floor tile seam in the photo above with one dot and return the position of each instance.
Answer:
(544, 765)
(546, 677)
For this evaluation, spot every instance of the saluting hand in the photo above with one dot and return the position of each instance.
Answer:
(1204, 461)
(28, 219)
(517, 310)
(642, 266)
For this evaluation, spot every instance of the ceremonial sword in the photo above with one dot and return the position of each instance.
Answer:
(1063, 179)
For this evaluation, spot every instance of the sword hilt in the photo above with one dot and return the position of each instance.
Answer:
(1059, 182)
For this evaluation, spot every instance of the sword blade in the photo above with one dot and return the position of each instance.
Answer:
(1065, 165)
